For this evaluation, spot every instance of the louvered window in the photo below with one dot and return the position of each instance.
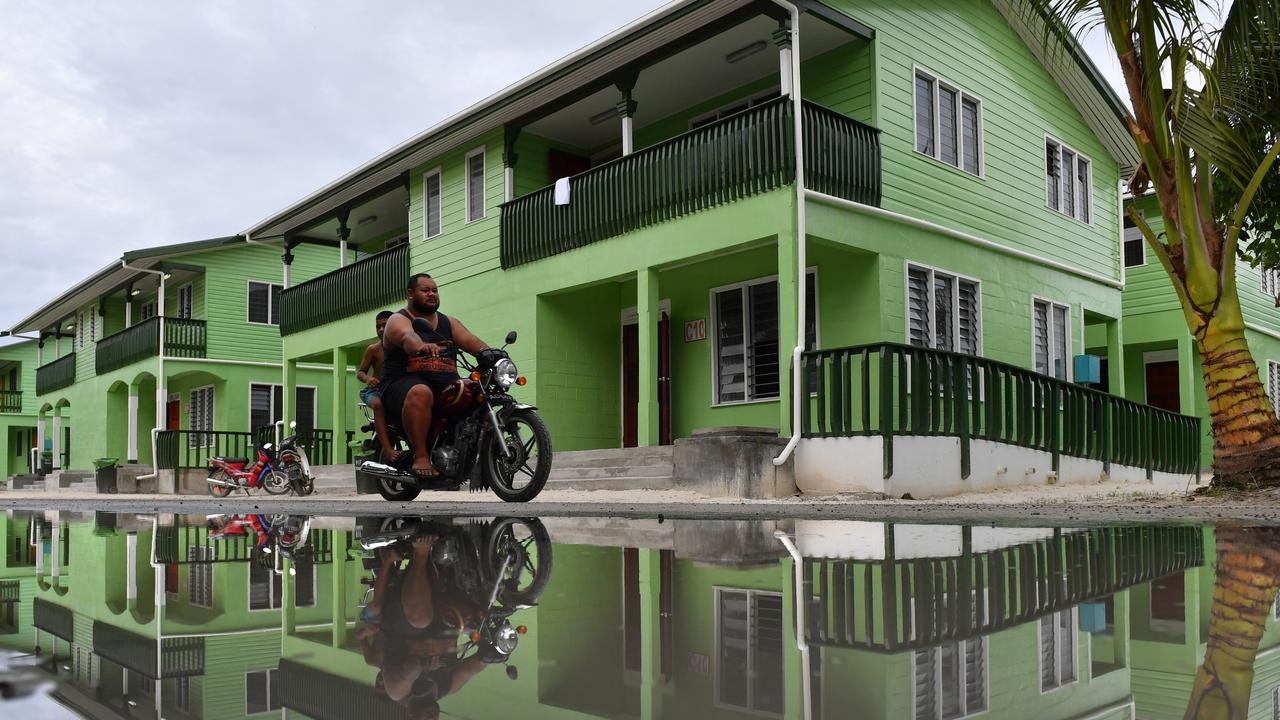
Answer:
(201, 418)
(943, 311)
(1051, 339)
(951, 680)
(1273, 384)
(1135, 246)
(264, 303)
(948, 123)
(1059, 642)
(431, 204)
(747, 350)
(200, 576)
(261, 692)
(1068, 181)
(1271, 282)
(475, 185)
(749, 655)
(148, 310)
(266, 591)
(186, 301)
(266, 406)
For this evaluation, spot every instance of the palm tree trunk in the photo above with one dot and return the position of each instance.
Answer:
(1244, 592)
(1246, 434)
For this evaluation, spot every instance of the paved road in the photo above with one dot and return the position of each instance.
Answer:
(681, 506)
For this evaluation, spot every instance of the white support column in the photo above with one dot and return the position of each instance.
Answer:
(57, 439)
(508, 183)
(628, 139)
(133, 425)
(128, 312)
(342, 253)
(40, 353)
(131, 567)
(782, 38)
(40, 438)
(55, 551)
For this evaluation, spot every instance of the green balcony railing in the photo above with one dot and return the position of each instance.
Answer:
(893, 605)
(179, 657)
(56, 375)
(889, 389)
(363, 286)
(10, 401)
(184, 338)
(745, 154)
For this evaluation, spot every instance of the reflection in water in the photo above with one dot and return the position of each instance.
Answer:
(275, 616)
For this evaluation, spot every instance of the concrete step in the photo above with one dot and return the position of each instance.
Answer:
(612, 457)
(26, 482)
(657, 482)
(609, 471)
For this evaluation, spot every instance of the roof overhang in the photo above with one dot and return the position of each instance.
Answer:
(1080, 80)
(527, 98)
(115, 276)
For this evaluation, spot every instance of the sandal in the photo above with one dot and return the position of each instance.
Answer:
(424, 473)
(391, 459)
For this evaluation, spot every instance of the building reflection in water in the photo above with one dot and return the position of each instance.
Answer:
(260, 616)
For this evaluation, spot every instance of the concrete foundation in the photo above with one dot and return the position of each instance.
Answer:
(733, 462)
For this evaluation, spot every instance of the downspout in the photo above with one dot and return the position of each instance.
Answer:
(797, 104)
(802, 643)
(161, 397)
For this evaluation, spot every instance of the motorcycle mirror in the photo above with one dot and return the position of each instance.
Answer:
(512, 672)
(511, 337)
(293, 424)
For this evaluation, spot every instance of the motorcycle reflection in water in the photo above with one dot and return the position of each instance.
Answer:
(437, 611)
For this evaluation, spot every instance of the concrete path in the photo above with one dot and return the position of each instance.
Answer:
(1070, 505)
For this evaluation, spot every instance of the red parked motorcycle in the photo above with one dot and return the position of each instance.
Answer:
(228, 474)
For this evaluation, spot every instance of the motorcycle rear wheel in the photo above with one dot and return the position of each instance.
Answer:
(220, 491)
(520, 476)
(276, 483)
(396, 492)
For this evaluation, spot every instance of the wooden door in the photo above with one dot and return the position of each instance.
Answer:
(1162, 385)
(173, 414)
(631, 382)
(565, 164)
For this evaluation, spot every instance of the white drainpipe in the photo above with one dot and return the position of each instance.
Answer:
(797, 103)
(161, 394)
(802, 643)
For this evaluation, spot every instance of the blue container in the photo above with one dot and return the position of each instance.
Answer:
(1093, 617)
(1088, 369)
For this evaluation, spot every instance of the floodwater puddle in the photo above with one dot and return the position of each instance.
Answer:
(143, 616)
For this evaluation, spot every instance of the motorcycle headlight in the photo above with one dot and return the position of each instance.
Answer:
(506, 639)
(505, 373)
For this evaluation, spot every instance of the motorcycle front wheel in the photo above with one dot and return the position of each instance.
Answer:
(520, 474)
(525, 543)
(276, 483)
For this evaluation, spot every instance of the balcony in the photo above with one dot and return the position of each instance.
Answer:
(888, 389)
(361, 287)
(56, 375)
(10, 401)
(745, 154)
(184, 338)
(179, 657)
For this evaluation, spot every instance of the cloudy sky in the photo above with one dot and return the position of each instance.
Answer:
(125, 124)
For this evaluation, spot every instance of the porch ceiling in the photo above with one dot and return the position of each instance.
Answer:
(373, 218)
(687, 78)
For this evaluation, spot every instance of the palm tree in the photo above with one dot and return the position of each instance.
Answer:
(1205, 152)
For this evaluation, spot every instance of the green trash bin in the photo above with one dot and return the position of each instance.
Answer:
(105, 474)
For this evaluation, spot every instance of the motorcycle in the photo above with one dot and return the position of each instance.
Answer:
(293, 460)
(502, 566)
(278, 471)
(478, 432)
(273, 537)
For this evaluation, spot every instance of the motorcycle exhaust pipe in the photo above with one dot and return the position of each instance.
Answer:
(221, 483)
(377, 467)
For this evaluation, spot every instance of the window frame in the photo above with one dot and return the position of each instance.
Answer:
(1074, 613)
(935, 677)
(1069, 361)
(199, 558)
(270, 301)
(274, 603)
(269, 672)
(466, 184)
(1125, 239)
(201, 437)
(1272, 384)
(938, 82)
(750, 709)
(189, 291)
(438, 173)
(1270, 282)
(150, 304)
(742, 286)
(955, 324)
(315, 400)
(1062, 146)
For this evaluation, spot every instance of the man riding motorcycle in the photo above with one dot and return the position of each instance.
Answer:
(419, 365)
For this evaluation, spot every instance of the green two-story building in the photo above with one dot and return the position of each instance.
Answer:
(171, 349)
(671, 214)
(18, 408)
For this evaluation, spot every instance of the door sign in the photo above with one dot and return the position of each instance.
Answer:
(695, 330)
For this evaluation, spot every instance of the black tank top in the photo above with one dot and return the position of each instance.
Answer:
(397, 363)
